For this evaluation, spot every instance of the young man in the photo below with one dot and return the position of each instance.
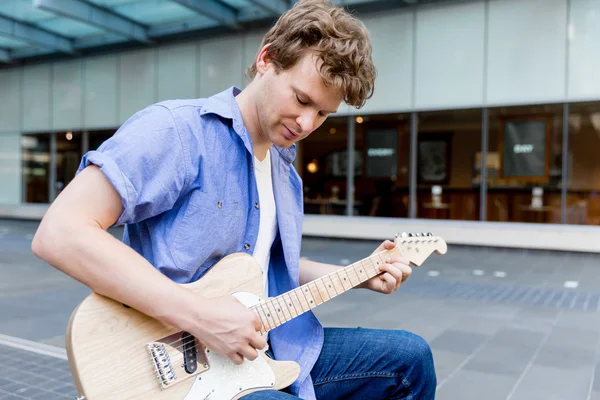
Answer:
(196, 180)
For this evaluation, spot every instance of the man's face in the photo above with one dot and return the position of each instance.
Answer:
(295, 102)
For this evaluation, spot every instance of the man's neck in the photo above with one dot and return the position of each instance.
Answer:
(250, 118)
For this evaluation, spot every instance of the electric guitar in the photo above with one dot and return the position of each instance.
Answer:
(116, 352)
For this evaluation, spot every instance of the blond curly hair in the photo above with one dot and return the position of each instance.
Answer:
(339, 39)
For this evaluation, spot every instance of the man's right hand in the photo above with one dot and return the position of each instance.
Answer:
(229, 328)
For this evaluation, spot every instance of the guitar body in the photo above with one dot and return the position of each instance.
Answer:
(116, 352)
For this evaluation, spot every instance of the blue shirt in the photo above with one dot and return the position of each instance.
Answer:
(184, 171)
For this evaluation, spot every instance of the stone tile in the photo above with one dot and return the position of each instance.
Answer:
(446, 363)
(458, 341)
(473, 385)
(501, 359)
(547, 383)
(584, 339)
(565, 357)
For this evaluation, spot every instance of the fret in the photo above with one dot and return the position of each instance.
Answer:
(361, 272)
(307, 293)
(262, 319)
(375, 263)
(315, 299)
(346, 278)
(290, 304)
(284, 310)
(268, 315)
(331, 285)
(277, 308)
(322, 288)
(352, 272)
(273, 313)
(380, 262)
(301, 300)
(337, 282)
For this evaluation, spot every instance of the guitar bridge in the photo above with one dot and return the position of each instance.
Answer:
(177, 358)
(162, 364)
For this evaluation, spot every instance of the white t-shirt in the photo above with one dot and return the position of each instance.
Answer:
(268, 216)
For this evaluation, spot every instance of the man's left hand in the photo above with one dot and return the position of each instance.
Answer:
(397, 270)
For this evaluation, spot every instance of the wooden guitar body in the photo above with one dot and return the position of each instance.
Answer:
(109, 355)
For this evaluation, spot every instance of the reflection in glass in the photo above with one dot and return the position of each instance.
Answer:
(68, 156)
(381, 180)
(524, 164)
(323, 163)
(583, 184)
(35, 150)
(96, 138)
(448, 160)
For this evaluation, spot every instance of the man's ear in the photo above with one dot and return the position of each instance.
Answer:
(262, 60)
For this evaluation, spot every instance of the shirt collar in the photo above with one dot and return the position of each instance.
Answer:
(224, 105)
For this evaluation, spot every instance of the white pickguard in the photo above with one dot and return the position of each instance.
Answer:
(224, 379)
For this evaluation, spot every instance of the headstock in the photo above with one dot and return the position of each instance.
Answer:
(416, 247)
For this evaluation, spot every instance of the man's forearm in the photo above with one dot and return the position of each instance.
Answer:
(110, 268)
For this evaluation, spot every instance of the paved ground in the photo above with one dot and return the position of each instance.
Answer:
(503, 324)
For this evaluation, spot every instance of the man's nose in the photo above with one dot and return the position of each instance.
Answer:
(306, 121)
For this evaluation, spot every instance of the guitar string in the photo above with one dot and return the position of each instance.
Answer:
(352, 267)
(175, 352)
(173, 345)
(377, 272)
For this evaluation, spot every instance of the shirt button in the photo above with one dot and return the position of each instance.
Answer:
(256, 205)
(220, 204)
(247, 246)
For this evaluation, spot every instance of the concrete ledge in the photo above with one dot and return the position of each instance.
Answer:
(580, 238)
(23, 211)
(494, 234)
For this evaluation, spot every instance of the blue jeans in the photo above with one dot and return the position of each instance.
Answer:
(369, 364)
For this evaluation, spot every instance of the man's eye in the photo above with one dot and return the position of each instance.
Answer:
(300, 101)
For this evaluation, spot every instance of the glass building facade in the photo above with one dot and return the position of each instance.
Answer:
(508, 164)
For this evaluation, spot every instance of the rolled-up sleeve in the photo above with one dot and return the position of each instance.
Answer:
(146, 161)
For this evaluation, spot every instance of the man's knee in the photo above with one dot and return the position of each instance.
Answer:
(421, 375)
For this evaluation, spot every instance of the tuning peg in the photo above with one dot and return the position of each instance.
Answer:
(429, 234)
(404, 234)
(410, 235)
(417, 234)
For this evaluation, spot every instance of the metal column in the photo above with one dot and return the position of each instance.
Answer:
(350, 177)
(412, 203)
(483, 173)
(565, 165)
(52, 172)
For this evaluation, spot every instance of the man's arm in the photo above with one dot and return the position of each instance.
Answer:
(396, 271)
(72, 237)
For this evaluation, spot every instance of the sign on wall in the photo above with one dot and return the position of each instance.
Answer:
(525, 152)
(382, 153)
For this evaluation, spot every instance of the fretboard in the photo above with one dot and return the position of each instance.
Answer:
(278, 310)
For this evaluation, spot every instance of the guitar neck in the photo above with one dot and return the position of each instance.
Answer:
(278, 310)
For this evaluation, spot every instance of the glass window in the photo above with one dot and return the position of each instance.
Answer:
(322, 164)
(448, 148)
(35, 150)
(68, 156)
(96, 138)
(583, 182)
(381, 178)
(524, 164)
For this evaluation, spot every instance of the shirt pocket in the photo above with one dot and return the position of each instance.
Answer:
(209, 229)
